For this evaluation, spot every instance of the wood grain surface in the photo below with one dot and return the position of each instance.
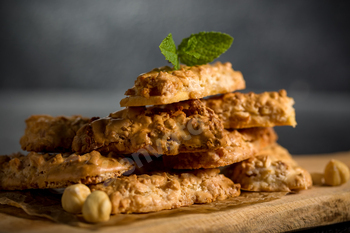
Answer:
(318, 206)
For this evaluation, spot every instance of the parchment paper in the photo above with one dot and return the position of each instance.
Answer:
(47, 204)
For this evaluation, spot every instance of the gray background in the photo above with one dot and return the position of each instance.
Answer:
(78, 57)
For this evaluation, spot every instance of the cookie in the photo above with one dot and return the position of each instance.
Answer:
(161, 191)
(271, 170)
(42, 171)
(165, 85)
(51, 134)
(243, 144)
(268, 109)
(171, 129)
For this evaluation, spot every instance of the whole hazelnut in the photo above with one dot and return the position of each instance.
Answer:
(97, 207)
(336, 173)
(74, 197)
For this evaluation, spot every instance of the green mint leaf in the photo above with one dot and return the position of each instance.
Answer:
(168, 49)
(203, 47)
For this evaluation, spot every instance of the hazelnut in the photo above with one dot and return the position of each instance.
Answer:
(336, 173)
(74, 197)
(317, 178)
(97, 207)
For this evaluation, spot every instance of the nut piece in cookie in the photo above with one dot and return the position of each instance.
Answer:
(268, 109)
(41, 171)
(171, 129)
(161, 191)
(243, 144)
(273, 169)
(51, 134)
(165, 85)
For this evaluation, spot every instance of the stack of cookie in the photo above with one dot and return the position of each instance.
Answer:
(51, 163)
(169, 128)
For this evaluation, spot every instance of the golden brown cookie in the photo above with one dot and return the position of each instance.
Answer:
(243, 144)
(168, 129)
(268, 109)
(41, 171)
(165, 85)
(161, 191)
(51, 134)
(273, 170)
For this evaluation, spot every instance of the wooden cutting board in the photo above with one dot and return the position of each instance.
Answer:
(317, 206)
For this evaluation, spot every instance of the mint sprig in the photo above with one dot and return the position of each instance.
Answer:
(168, 49)
(198, 49)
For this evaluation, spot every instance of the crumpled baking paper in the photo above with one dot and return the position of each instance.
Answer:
(47, 204)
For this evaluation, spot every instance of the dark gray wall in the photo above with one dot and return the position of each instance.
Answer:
(91, 51)
(106, 44)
